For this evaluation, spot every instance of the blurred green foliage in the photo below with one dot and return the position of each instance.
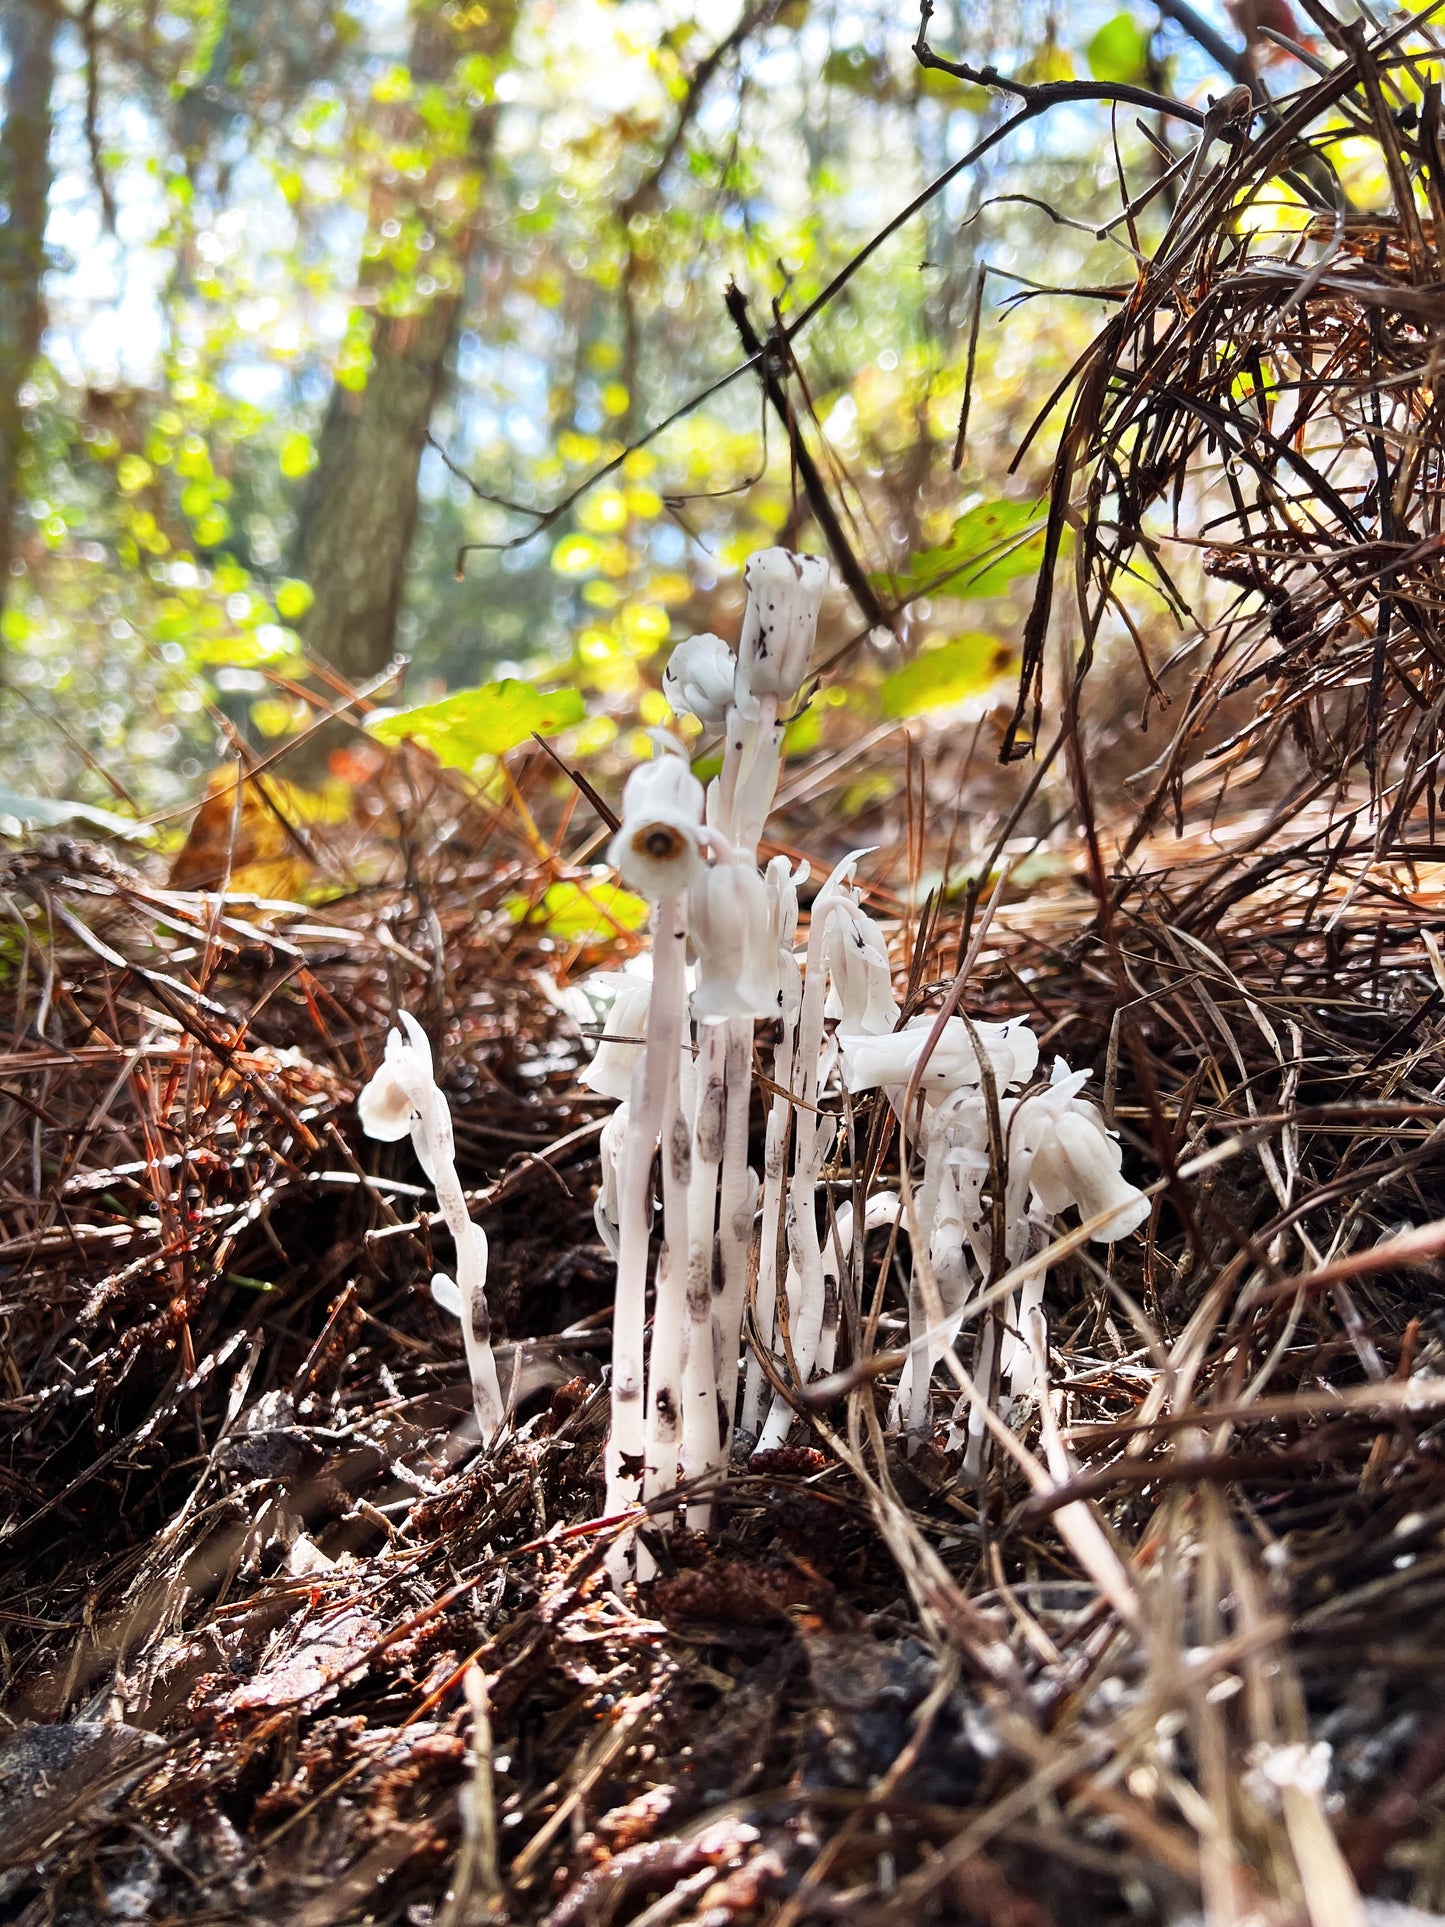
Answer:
(190, 354)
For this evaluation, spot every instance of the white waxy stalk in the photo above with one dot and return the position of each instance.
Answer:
(736, 1205)
(663, 1448)
(403, 1096)
(983, 1377)
(882, 1208)
(812, 1142)
(607, 1210)
(784, 885)
(700, 1433)
(652, 1085)
(925, 1341)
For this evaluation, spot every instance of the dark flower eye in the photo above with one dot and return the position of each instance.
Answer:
(660, 841)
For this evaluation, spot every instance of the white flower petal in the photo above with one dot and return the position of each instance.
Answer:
(385, 1107)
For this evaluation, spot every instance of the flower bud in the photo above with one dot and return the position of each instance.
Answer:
(785, 592)
(699, 679)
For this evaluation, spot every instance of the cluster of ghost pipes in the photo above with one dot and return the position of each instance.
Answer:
(678, 1052)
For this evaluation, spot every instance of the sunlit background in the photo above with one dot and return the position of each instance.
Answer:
(548, 201)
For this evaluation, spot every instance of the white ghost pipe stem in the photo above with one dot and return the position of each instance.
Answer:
(765, 1300)
(925, 1299)
(471, 1244)
(654, 1078)
(699, 1375)
(1021, 1368)
(736, 1202)
(748, 781)
(669, 1312)
(983, 1377)
(757, 785)
(810, 1147)
(881, 1209)
(404, 1097)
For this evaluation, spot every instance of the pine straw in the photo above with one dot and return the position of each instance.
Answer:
(290, 1651)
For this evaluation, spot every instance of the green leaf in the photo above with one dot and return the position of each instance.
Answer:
(941, 677)
(573, 910)
(804, 733)
(1119, 50)
(471, 724)
(19, 813)
(293, 599)
(297, 455)
(988, 547)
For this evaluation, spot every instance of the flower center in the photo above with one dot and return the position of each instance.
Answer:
(660, 841)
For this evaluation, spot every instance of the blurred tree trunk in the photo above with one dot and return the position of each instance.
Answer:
(360, 506)
(29, 29)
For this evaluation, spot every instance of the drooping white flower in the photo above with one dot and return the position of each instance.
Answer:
(1011, 1048)
(1075, 1161)
(699, 679)
(860, 977)
(783, 881)
(402, 1096)
(785, 592)
(624, 1033)
(387, 1105)
(404, 1093)
(731, 917)
(657, 851)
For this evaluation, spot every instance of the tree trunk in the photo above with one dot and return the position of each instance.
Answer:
(361, 503)
(29, 31)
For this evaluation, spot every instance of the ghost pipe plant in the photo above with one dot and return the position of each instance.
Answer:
(999, 1156)
(401, 1099)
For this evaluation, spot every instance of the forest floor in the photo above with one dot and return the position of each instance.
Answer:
(279, 1644)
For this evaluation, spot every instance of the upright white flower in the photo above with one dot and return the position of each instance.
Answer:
(658, 849)
(785, 592)
(731, 917)
(860, 977)
(700, 678)
(624, 1032)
